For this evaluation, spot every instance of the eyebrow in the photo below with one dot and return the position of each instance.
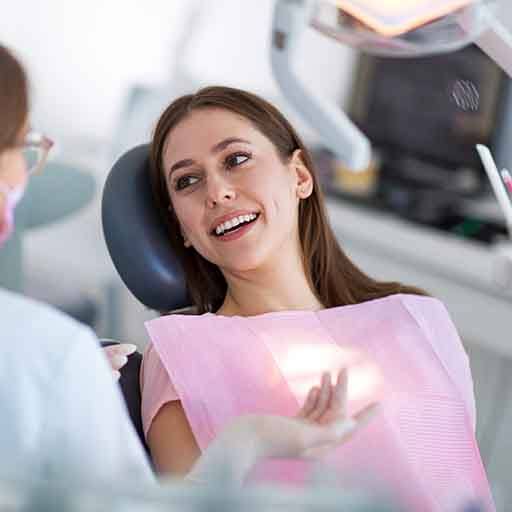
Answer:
(220, 146)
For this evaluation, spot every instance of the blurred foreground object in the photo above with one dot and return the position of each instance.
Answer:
(220, 494)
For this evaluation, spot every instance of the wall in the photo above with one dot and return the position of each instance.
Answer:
(84, 56)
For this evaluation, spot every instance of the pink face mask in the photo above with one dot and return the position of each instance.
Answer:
(12, 197)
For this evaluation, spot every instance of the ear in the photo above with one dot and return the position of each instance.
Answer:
(303, 177)
(186, 242)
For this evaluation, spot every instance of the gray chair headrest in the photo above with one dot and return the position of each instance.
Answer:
(137, 238)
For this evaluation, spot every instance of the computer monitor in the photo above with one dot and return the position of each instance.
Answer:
(435, 109)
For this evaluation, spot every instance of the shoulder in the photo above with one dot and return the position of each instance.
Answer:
(32, 326)
(24, 313)
(427, 312)
(177, 322)
(150, 361)
(153, 372)
(417, 301)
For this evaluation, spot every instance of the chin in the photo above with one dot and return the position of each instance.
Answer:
(243, 261)
(240, 266)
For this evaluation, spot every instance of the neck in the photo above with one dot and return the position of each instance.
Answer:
(273, 287)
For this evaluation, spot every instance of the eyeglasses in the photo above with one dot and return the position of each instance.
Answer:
(35, 151)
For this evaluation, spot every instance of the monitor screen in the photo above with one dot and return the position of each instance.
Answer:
(433, 108)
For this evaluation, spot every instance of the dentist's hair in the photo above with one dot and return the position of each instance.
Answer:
(13, 99)
(333, 276)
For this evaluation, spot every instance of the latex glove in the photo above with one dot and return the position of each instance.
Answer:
(320, 426)
(117, 356)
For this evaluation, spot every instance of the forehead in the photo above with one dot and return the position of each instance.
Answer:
(202, 129)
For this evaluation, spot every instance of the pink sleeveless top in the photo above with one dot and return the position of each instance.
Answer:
(402, 350)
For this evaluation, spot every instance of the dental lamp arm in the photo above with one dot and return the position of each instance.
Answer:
(496, 40)
(342, 137)
(338, 132)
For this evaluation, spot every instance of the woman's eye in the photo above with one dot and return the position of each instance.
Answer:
(236, 159)
(184, 182)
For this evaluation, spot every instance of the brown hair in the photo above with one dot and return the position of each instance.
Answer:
(13, 99)
(335, 279)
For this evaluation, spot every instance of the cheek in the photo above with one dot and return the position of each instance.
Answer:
(188, 217)
(280, 198)
(13, 170)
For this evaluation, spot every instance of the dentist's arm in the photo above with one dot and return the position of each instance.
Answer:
(90, 426)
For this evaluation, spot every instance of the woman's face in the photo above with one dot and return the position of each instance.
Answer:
(236, 201)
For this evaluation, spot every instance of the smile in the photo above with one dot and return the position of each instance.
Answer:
(235, 225)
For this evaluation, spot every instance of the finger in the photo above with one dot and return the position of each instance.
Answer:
(347, 427)
(127, 348)
(366, 414)
(122, 349)
(324, 398)
(117, 362)
(339, 398)
(116, 374)
(310, 403)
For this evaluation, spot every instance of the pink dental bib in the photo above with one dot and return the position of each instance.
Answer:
(402, 350)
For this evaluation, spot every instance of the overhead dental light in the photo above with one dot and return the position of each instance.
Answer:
(402, 28)
(395, 17)
(393, 28)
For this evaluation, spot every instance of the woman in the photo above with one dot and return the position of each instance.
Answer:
(279, 303)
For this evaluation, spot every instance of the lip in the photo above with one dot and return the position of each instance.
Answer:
(238, 233)
(229, 216)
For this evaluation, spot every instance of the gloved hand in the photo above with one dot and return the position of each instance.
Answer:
(117, 356)
(319, 427)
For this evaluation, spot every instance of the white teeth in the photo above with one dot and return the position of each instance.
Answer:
(235, 221)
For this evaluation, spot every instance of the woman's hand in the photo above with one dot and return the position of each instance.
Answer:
(325, 413)
(117, 356)
(320, 426)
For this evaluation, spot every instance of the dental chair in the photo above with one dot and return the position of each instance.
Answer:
(138, 244)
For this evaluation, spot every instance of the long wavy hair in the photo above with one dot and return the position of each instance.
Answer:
(335, 279)
(13, 99)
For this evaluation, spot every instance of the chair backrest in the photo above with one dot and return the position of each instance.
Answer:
(138, 244)
(137, 238)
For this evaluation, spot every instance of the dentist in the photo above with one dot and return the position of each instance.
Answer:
(61, 413)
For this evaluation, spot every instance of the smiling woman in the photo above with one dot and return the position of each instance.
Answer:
(282, 308)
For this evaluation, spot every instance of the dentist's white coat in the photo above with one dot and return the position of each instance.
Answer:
(61, 412)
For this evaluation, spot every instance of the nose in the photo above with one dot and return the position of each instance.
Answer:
(218, 191)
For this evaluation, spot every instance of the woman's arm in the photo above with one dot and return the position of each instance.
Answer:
(173, 447)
